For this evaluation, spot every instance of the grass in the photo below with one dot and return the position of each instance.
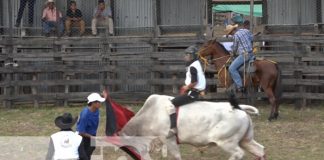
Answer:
(296, 135)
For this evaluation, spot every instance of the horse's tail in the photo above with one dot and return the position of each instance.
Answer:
(277, 87)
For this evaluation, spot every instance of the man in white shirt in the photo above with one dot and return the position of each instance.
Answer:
(66, 144)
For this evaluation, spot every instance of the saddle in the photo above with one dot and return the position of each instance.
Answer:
(249, 67)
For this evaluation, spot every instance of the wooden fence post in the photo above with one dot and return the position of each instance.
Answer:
(7, 92)
(175, 89)
(66, 90)
(34, 91)
(298, 74)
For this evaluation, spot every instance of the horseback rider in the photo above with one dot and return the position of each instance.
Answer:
(242, 47)
(195, 83)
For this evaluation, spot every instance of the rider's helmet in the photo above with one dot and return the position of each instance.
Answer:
(192, 50)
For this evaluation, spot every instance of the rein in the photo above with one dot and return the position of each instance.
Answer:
(203, 59)
(224, 66)
(220, 57)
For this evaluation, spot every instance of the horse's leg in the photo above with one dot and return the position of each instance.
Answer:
(254, 148)
(233, 148)
(272, 100)
(265, 84)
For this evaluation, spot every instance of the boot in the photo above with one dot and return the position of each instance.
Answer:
(173, 128)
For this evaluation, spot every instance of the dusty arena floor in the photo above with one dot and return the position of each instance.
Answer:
(296, 135)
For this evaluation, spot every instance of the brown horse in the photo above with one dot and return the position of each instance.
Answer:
(266, 75)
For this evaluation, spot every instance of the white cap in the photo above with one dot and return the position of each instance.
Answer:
(95, 97)
(49, 1)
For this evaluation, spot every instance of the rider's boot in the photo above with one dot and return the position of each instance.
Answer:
(173, 128)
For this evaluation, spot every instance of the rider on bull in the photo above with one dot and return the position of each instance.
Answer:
(242, 47)
(195, 83)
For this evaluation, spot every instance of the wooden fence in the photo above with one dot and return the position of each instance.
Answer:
(63, 71)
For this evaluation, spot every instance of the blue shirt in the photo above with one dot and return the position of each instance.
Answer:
(88, 122)
(242, 41)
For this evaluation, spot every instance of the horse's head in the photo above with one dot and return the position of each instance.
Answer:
(213, 48)
(207, 48)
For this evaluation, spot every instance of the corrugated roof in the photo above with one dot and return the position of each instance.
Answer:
(236, 0)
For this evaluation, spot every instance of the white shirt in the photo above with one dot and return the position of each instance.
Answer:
(201, 84)
(228, 45)
(66, 144)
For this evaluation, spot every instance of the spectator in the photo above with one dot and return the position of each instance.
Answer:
(66, 144)
(102, 16)
(237, 18)
(74, 18)
(30, 12)
(52, 18)
(89, 120)
(246, 24)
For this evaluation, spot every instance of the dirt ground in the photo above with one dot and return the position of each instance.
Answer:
(296, 135)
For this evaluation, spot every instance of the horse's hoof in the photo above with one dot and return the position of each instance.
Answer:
(275, 115)
(271, 118)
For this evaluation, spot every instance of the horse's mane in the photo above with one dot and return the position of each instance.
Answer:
(222, 46)
(215, 42)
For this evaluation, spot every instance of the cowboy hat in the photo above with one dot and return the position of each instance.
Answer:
(49, 1)
(66, 121)
(230, 28)
(95, 97)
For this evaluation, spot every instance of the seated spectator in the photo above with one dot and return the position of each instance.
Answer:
(102, 16)
(74, 18)
(52, 18)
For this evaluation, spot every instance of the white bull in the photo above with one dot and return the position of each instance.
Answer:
(200, 124)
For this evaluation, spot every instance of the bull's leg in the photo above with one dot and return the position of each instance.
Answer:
(254, 148)
(173, 148)
(233, 148)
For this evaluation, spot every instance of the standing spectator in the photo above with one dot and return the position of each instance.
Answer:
(51, 18)
(74, 18)
(66, 144)
(102, 16)
(246, 24)
(89, 120)
(30, 12)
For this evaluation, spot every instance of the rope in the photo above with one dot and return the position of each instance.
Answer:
(224, 66)
(220, 57)
(271, 61)
(204, 60)
(244, 54)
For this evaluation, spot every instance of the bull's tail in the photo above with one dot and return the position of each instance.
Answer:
(249, 109)
(233, 101)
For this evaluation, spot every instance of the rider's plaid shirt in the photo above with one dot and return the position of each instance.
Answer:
(242, 41)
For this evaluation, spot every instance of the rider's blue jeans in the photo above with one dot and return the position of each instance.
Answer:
(234, 67)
